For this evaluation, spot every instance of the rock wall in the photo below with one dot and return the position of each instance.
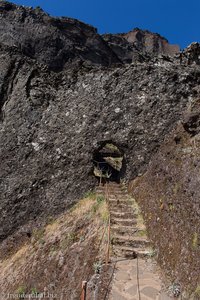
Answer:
(51, 125)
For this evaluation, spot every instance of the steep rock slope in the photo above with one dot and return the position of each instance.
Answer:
(169, 196)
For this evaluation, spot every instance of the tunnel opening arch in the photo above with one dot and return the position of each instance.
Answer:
(109, 162)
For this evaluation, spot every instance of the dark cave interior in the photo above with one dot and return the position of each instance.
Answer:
(109, 163)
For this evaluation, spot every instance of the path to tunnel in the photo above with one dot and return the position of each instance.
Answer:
(136, 274)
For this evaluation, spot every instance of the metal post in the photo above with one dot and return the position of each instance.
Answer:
(84, 290)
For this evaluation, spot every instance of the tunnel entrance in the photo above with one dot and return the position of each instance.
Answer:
(109, 163)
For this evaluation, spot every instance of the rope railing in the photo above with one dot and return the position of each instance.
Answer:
(108, 232)
(138, 280)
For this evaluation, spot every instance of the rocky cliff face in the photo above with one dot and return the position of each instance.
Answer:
(51, 123)
(59, 42)
(139, 44)
(52, 41)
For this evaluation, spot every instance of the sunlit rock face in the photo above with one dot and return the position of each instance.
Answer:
(51, 123)
(139, 45)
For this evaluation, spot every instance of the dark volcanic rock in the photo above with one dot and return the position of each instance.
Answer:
(191, 54)
(59, 42)
(52, 123)
(191, 123)
(53, 41)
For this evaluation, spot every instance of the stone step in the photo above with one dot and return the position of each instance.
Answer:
(120, 204)
(123, 222)
(122, 214)
(128, 230)
(119, 200)
(135, 241)
(114, 184)
(122, 208)
(99, 190)
(130, 252)
(118, 194)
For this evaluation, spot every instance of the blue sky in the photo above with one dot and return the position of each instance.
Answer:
(177, 20)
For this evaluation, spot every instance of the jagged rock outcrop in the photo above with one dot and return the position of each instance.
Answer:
(55, 42)
(139, 45)
(191, 55)
(51, 123)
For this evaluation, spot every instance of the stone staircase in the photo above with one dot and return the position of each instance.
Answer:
(136, 274)
(128, 236)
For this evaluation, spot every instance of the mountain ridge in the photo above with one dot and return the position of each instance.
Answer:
(58, 42)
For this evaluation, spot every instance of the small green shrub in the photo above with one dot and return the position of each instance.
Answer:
(100, 199)
(195, 241)
(197, 291)
(70, 239)
(175, 289)
(89, 194)
(105, 216)
(42, 241)
(152, 253)
(34, 292)
(142, 233)
(171, 206)
(95, 208)
(176, 188)
(21, 290)
(38, 234)
(97, 267)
